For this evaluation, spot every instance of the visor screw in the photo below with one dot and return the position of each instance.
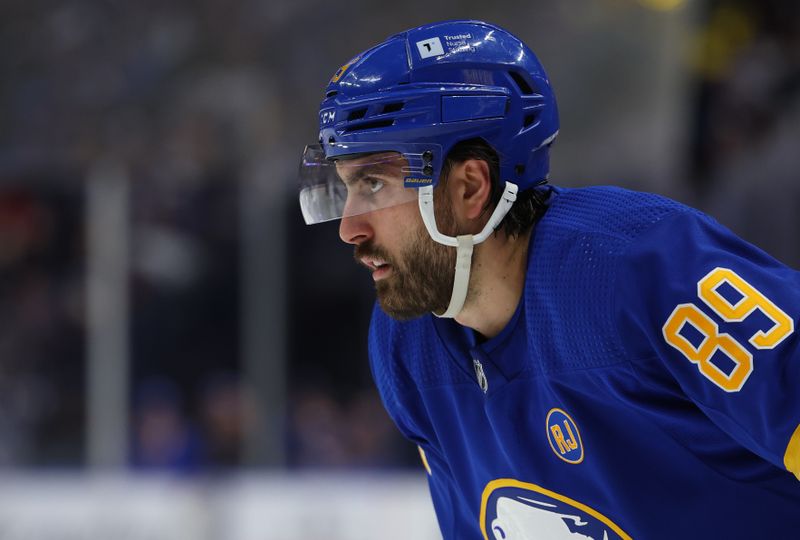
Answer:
(427, 156)
(331, 140)
(428, 170)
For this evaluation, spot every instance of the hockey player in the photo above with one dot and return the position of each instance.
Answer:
(573, 363)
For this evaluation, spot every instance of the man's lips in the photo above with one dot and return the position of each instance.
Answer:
(379, 268)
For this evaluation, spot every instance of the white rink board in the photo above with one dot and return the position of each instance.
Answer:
(243, 507)
(311, 507)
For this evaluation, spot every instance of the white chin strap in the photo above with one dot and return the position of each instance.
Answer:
(463, 244)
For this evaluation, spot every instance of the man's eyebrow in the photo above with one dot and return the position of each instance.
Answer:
(364, 171)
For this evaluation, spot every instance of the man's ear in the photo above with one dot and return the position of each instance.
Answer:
(471, 185)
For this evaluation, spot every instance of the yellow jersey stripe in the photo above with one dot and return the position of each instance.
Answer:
(792, 457)
(425, 459)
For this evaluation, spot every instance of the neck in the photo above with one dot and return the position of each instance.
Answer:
(496, 281)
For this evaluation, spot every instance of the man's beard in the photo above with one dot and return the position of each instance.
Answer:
(422, 276)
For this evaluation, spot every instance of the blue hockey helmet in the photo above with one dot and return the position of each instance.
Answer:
(416, 95)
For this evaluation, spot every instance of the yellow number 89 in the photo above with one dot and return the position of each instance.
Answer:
(751, 299)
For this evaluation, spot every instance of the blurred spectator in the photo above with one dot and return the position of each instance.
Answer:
(163, 438)
(225, 413)
(747, 60)
(759, 195)
(351, 434)
(41, 332)
(752, 133)
(317, 434)
(373, 439)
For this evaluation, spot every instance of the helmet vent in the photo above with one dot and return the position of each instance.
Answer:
(357, 114)
(529, 119)
(376, 124)
(523, 85)
(331, 93)
(392, 107)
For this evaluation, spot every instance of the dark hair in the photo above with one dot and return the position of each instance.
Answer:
(530, 205)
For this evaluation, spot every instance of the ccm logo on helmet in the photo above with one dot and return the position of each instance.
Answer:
(327, 116)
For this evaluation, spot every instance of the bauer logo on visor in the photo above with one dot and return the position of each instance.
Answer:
(417, 181)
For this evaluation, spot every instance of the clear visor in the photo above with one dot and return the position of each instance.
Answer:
(361, 181)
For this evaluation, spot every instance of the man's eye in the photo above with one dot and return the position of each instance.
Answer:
(374, 184)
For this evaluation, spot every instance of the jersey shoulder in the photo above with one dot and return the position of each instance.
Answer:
(577, 251)
(609, 211)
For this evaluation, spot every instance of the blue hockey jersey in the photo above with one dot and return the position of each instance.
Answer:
(648, 385)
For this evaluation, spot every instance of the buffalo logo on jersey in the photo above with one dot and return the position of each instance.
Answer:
(564, 436)
(514, 510)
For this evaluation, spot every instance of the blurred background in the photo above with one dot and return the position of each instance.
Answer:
(180, 356)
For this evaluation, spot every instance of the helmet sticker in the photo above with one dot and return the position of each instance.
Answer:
(454, 43)
(430, 47)
(341, 70)
(459, 42)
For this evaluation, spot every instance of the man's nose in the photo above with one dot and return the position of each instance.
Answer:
(355, 229)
